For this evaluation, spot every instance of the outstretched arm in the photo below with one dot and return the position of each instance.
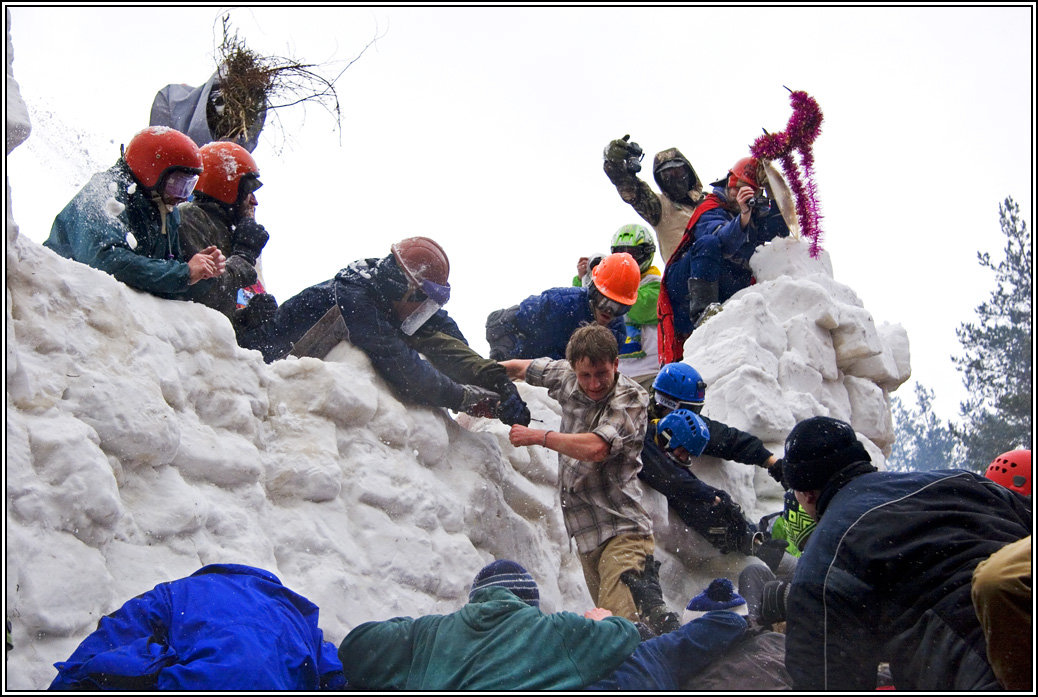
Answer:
(587, 447)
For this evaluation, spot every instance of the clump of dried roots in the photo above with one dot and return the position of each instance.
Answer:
(252, 84)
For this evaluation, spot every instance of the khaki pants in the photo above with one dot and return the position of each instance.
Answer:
(1002, 599)
(603, 566)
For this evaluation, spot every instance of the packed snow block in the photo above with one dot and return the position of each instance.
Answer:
(751, 400)
(59, 604)
(891, 368)
(788, 298)
(835, 399)
(222, 458)
(746, 308)
(431, 435)
(79, 488)
(803, 406)
(16, 114)
(797, 375)
(870, 411)
(342, 392)
(788, 257)
(855, 337)
(131, 418)
(163, 505)
(728, 354)
(813, 344)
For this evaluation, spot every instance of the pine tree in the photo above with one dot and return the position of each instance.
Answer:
(922, 440)
(996, 360)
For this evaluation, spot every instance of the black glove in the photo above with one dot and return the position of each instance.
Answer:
(260, 310)
(514, 411)
(477, 401)
(776, 469)
(248, 240)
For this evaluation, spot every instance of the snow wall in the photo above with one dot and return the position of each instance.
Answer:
(142, 443)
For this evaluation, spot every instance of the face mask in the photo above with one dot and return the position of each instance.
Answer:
(420, 316)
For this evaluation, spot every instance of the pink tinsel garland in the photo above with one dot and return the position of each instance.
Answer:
(803, 128)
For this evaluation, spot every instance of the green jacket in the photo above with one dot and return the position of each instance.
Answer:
(495, 642)
(93, 227)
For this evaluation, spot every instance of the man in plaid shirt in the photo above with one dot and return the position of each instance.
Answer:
(599, 446)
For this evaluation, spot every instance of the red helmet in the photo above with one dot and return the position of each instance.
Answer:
(158, 149)
(224, 168)
(422, 260)
(1012, 470)
(745, 170)
(617, 277)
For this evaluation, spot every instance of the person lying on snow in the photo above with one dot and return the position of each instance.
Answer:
(224, 627)
(502, 640)
(392, 309)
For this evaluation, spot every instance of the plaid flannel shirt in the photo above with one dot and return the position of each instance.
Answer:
(599, 499)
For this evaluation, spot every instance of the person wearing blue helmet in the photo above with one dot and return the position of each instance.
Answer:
(709, 511)
(683, 435)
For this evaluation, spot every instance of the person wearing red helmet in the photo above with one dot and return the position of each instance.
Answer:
(711, 262)
(392, 309)
(222, 213)
(125, 220)
(541, 325)
(1001, 587)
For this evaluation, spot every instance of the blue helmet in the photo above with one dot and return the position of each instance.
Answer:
(683, 429)
(679, 386)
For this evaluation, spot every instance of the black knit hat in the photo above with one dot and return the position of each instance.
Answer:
(816, 449)
(510, 575)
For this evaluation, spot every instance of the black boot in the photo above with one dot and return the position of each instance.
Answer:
(701, 296)
(648, 597)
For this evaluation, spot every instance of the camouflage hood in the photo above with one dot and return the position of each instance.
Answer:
(673, 155)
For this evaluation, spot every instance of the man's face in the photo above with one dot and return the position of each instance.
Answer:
(808, 500)
(247, 207)
(675, 181)
(596, 379)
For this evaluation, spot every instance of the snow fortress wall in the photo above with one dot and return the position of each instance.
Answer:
(143, 443)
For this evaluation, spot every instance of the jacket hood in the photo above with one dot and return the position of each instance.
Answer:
(673, 155)
(492, 605)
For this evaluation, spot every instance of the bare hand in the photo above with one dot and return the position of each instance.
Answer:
(745, 194)
(521, 435)
(582, 266)
(209, 263)
(598, 613)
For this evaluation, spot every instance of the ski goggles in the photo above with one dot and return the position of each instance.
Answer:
(669, 402)
(428, 290)
(607, 306)
(179, 184)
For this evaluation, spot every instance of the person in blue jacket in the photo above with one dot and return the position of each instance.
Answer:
(224, 627)
(541, 325)
(125, 221)
(709, 511)
(392, 310)
(711, 262)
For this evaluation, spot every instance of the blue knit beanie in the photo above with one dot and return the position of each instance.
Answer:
(719, 595)
(510, 575)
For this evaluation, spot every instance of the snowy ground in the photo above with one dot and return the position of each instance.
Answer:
(142, 443)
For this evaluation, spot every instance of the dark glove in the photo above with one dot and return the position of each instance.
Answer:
(260, 310)
(477, 401)
(514, 410)
(776, 469)
(618, 150)
(248, 240)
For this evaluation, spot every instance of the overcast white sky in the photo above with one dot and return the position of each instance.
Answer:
(483, 128)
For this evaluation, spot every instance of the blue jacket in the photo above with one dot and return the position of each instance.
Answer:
(720, 252)
(362, 291)
(225, 627)
(886, 576)
(92, 229)
(544, 323)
